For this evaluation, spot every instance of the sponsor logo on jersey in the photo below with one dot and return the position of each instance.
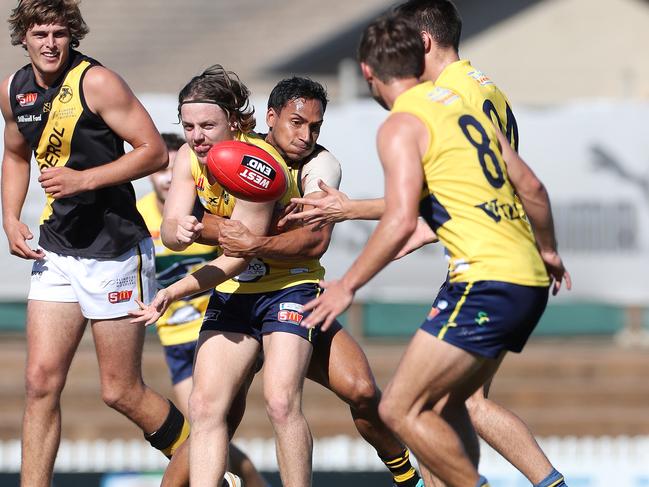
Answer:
(255, 271)
(64, 113)
(53, 150)
(480, 77)
(47, 106)
(26, 99)
(115, 297)
(442, 95)
(66, 94)
(497, 210)
(298, 270)
(200, 185)
(29, 118)
(256, 172)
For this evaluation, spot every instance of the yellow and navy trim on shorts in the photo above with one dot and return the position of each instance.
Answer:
(486, 317)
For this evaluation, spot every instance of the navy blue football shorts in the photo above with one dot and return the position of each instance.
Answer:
(486, 317)
(262, 313)
(180, 360)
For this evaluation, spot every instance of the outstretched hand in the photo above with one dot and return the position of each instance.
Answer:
(149, 314)
(328, 209)
(329, 305)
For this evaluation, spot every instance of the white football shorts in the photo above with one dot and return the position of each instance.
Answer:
(104, 288)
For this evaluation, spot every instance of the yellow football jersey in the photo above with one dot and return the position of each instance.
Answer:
(181, 323)
(467, 198)
(482, 94)
(262, 275)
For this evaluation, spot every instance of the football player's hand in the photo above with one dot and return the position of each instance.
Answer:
(422, 235)
(326, 307)
(557, 271)
(62, 182)
(328, 209)
(149, 314)
(236, 240)
(188, 230)
(17, 236)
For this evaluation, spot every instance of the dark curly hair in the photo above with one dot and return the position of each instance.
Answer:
(225, 89)
(296, 87)
(42, 12)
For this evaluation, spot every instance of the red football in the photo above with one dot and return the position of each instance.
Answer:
(246, 171)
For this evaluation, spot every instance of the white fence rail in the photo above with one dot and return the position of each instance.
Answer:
(587, 461)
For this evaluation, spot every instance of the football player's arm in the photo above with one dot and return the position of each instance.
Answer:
(211, 229)
(309, 241)
(108, 96)
(257, 217)
(15, 182)
(536, 203)
(402, 140)
(179, 227)
(335, 206)
(532, 194)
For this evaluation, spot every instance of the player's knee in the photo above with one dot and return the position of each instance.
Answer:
(42, 382)
(119, 396)
(363, 395)
(281, 406)
(391, 412)
(203, 408)
(476, 405)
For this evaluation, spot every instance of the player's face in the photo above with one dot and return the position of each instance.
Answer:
(161, 180)
(296, 128)
(204, 125)
(48, 47)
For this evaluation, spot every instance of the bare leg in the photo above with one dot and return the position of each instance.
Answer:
(429, 370)
(53, 334)
(508, 435)
(342, 367)
(119, 351)
(222, 364)
(242, 466)
(177, 472)
(287, 359)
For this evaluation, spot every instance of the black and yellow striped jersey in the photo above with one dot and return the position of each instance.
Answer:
(62, 131)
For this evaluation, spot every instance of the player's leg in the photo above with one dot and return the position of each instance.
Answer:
(287, 359)
(429, 371)
(510, 436)
(223, 361)
(53, 333)
(340, 365)
(119, 351)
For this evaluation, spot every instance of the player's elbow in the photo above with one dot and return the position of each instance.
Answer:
(532, 189)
